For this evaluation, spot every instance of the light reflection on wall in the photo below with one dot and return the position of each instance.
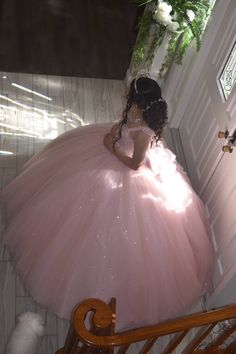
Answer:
(35, 119)
(45, 124)
(31, 91)
(4, 152)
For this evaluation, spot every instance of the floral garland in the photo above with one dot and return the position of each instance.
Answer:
(182, 20)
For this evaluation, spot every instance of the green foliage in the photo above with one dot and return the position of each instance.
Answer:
(152, 31)
(143, 37)
(156, 41)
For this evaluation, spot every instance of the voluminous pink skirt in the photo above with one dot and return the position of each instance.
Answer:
(80, 224)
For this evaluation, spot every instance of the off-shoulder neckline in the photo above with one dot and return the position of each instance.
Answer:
(144, 128)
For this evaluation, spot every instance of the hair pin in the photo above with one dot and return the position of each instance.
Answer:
(141, 73)
(152, 102)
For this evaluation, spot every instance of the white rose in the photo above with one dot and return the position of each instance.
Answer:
(163, 6)
(162, 17)
(173, 26)
(191, 15)
(162, 13)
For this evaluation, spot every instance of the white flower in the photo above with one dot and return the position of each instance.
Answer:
(191, 15)
(162, 13)
(173, 26)
(163, 6)
(162, 18)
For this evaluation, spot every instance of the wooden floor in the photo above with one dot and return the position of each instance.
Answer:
(68, 37)
(27, 122)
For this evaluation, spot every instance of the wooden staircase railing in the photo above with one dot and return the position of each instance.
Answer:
(101, 338)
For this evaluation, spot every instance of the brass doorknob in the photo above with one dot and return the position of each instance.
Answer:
(227, 148)
(223, 135)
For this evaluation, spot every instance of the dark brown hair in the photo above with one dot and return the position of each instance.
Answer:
(146, 94)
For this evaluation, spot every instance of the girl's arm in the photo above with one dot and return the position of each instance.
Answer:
(141, 144)
(114, 129)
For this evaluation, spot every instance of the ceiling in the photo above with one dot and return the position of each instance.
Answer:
(92, 38)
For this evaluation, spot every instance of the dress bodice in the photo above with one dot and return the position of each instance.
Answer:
(125, 144)
(158, 157)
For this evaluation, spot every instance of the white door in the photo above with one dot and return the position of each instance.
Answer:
(213, 173)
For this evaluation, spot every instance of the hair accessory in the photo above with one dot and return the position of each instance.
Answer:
(141, 73)
(135, 85)
(152, 102)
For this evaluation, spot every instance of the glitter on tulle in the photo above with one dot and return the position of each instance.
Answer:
(81, 224)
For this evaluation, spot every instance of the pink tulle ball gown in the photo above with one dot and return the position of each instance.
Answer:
(81, 224)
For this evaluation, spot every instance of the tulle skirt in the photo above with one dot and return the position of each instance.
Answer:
(81, 224)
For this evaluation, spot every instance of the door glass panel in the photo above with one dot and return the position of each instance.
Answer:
(227, 76)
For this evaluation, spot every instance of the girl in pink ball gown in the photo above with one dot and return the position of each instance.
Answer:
(110, 214)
